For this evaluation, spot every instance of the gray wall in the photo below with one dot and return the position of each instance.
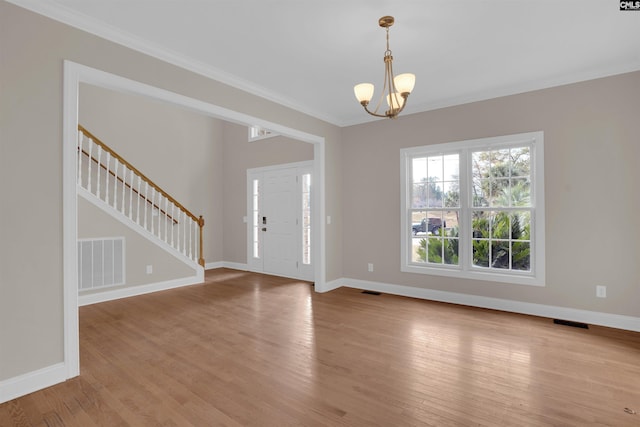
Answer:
(31, 74)
(591, 177)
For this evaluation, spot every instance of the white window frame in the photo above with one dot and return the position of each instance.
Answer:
(465, 269)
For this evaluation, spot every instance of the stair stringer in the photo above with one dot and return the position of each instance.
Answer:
(142, 231)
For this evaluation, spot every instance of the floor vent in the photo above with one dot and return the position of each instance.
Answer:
(570, 323)
(100, 263)
(371, 292)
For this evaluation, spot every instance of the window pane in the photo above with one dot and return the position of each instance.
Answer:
(480, 192)
(451, 251)
(500, 164)
(520, 162)
(435, 168)
(418, 249)
(435, 194)
(521, 225)
(520, 192)
(499, 254)
(480, 164)
(480, 225)
(419, 195)
(306, 183)
(521, 256)
(419, 169)
(500, 226)
(434, 246)
(452, 194)
(500, 192)
(481, 253)
(451, 223)
(451, 167)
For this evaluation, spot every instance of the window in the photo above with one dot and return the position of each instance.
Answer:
(475, 209)
(306, 218)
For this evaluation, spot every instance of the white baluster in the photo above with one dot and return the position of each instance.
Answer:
(160, 214)
(131, 181)
(106, 178)
(191, 240)
(139, 197)
(80, 137)
(124, 186)
(172, 219)
(98, 170)
(115, 182)
(184, 233)
(178, 232)
(153, 201)
(90, 161)
(166, 218)
(146, 202)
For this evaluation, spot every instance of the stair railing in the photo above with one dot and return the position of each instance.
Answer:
(115, 181)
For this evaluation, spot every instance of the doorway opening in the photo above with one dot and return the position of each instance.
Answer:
(74, 74)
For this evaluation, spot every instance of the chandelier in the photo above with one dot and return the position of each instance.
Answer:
(396, 89)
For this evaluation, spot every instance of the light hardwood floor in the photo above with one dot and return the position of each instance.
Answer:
(252, 350)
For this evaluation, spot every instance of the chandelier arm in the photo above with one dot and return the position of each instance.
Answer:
(373, 113)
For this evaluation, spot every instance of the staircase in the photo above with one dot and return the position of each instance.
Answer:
(117, 187)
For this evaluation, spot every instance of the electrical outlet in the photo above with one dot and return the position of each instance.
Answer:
(370, 266)
(149, 269)
(601, 291)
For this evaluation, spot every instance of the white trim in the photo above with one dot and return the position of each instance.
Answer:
(213, 265)
(554, 312)
(131, 291)
(74, 74)
(32, 381)
(71, 80)
(235, 265)
(330, 286)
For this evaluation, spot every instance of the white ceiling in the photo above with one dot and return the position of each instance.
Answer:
(308, 54)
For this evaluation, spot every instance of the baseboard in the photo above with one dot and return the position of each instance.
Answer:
(226, 264)
(213, 265)
(585, 316)
(114, 294)
(331, 285)
(32, 381)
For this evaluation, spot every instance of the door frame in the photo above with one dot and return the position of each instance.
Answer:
(73, 75)
(303, 165)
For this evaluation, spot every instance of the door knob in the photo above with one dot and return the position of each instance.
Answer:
(264, 228)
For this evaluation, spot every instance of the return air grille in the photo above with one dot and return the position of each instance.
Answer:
(100, 263)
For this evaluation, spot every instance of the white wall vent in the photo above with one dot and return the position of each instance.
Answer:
(100, 263)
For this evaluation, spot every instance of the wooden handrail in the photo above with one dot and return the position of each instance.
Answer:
(94, 160)
(137, 172)
(197, 220)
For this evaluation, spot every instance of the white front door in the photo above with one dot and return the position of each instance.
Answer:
(279, 220)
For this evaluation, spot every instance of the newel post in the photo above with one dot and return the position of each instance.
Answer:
(201, 225)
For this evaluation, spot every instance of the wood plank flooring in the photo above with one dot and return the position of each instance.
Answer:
(245, 349)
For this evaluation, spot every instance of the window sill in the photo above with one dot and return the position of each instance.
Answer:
(516, 279)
